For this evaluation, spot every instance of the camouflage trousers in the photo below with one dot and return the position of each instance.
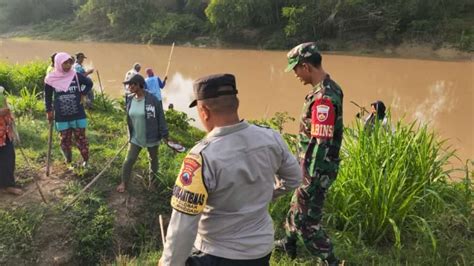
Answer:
(304, 218)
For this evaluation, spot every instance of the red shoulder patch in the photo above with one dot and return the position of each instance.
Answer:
(323, 119)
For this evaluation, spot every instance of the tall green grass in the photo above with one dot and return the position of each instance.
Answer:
(393, 188)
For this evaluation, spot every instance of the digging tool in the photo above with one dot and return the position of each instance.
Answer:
(101, 90)
(50, 143)
(34, 178)
(360, 107)
(97, 176)
(363, 110)
(17, 136)
(160, 218)
(169, 60)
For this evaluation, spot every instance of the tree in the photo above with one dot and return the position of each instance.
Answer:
(228, 17)
(25, 12)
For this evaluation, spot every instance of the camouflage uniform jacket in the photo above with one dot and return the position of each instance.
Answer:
(321, 128)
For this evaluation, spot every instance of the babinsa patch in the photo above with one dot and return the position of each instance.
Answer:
(323, 119)
(189, 191)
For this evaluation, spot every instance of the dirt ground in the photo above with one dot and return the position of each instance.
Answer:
(51, 186)
(52, 242)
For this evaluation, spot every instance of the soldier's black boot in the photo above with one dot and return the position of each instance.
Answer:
(287, 245)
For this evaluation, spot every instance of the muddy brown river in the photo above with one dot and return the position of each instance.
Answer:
(440, 93)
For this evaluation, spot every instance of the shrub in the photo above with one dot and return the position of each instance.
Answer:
(180, 130)
(16, 77)
(28, 103)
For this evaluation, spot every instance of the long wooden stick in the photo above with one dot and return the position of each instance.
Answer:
(163, 241)
(169, 60)
(17, 136)
(98, 176)
(360, 107)
(50, 143)
(34, 178)
(362, 110)
(101, 89)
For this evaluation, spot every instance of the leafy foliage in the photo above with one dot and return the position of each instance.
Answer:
(16, 77)
(28, 104)
(180, 129)
(24, 12)
(268, 23)
(174, 26)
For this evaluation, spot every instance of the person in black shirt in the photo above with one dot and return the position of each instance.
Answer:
(63, 89)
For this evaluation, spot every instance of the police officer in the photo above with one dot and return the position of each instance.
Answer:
(320, 138)
(221, 196)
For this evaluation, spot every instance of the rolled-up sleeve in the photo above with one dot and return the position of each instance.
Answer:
(180, 238)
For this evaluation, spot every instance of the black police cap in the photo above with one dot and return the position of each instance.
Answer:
(213, 86)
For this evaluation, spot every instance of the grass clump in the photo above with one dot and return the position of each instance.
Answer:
(17, 228)
(93, 222)
(393, 192)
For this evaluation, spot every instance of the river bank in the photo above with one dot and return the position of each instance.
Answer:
(406, 50)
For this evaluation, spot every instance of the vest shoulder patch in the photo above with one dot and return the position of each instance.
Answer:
(189, 192)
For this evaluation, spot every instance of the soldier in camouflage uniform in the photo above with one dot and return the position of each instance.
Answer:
(320, 138)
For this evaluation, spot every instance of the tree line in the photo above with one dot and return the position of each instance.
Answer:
(271, 24)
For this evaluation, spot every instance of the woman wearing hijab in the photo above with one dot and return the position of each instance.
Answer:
(63, 89)
(377, 113)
